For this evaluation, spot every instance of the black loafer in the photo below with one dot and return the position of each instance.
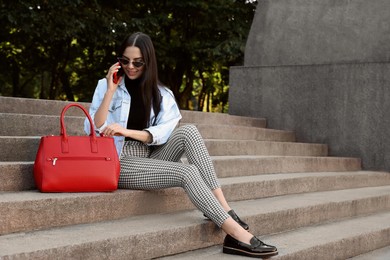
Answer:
(257, 248)
(238, 220)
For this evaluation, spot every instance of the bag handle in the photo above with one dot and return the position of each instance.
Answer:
(64, 136)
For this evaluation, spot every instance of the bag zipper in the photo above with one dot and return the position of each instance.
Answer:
(78, 158)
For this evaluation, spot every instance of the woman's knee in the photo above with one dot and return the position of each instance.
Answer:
(191, 175)
(189, 131)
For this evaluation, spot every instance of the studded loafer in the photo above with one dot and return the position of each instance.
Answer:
(257, 248)
(238, 220)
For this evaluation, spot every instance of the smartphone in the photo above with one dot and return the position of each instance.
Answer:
(117, 75)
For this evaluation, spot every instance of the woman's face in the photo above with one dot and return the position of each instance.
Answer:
(133, 54)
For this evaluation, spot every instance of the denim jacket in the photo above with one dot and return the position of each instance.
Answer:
(119, 109)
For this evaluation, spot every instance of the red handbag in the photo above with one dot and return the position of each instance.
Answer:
(76, 163)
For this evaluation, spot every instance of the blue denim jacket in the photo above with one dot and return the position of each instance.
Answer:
(119, 109)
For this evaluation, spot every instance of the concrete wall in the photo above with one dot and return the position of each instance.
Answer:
(319, 31)
(320, 68)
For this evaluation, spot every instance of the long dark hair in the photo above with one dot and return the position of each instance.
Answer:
(149, 79)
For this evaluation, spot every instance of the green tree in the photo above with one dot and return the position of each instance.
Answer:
(59, 49)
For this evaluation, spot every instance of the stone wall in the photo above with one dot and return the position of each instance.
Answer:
(320, 68)
(287, 32)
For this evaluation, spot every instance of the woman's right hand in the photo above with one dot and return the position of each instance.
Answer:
(102, 112)
(110, 77)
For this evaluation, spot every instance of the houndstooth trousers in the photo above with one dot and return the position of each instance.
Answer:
(158, 167)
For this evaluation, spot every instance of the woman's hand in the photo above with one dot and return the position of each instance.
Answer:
(102, 112)
(114, 130)
(111, 86)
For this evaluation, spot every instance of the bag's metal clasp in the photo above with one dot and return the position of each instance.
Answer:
(53, 160)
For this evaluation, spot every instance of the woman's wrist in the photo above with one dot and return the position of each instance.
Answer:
(149, 138)
(140, 135)
(110, 92)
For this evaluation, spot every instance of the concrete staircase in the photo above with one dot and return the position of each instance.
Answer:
(293, 195)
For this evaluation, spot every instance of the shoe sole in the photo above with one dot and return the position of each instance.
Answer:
(235, 251)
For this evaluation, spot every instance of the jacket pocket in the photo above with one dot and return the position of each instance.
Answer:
(115, 104)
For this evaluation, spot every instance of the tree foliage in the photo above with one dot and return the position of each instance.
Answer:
(59, 49)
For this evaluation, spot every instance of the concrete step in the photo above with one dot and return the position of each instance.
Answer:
(38, 106)
(378, 254)
(16, 176)
(251, 147)
(274, 183)
(233, 132)
(92, 207)
(269, 185)
(24, 148)
(54, 108)
(230, 166)
(197, 117)
(19, 175)
(337, 240)
(40, 125)
(157, 235)
(18, 148)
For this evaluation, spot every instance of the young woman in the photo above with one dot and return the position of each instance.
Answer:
(142, 116)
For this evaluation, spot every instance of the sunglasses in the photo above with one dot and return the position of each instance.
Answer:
(125, 62)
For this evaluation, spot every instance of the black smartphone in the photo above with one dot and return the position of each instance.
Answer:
(117, 75)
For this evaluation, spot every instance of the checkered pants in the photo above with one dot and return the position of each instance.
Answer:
(158, 167)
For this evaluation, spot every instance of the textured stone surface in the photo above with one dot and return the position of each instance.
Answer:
(228, 166)
(343, 105)
(251, 147)
(132, 238)
(320, 242)
(38, 106)
(17, 214)
(22, 148)
(320, 68)
(16, 176)
(290, 32)
(379, 254)
(19, 175)
(11, 105)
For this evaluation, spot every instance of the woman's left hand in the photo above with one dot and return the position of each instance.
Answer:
(114, 130)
